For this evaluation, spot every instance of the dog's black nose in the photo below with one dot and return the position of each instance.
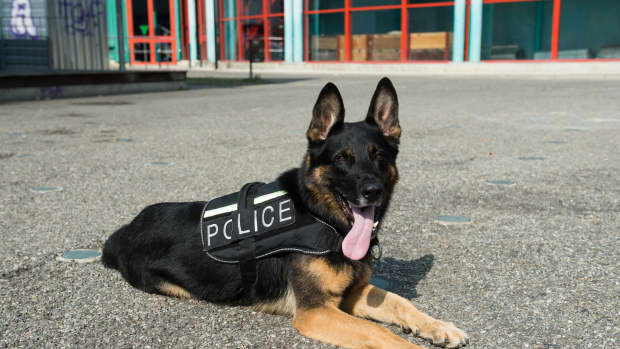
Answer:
(371, 191)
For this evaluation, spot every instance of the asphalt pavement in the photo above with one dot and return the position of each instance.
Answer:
(532, 164)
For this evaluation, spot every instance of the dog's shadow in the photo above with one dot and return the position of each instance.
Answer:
(401, 276)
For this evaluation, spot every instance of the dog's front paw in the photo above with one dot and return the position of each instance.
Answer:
(443, 334)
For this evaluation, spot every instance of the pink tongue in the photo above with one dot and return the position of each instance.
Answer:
(356, 243)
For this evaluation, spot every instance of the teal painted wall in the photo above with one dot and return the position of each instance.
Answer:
(112, 19)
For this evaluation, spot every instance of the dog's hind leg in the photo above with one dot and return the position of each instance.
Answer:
(374, 303)
(170, 289)
(331, 325)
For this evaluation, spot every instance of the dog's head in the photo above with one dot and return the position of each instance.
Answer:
(350, 168)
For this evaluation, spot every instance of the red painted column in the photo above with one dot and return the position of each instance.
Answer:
(173, 32)
(404, 32)
(266, 30)
(306, 50)
(151, 31)
(467, 18)
(555, 29)
(347, 30)
(241, 39)
(129, 12)
(222, 42)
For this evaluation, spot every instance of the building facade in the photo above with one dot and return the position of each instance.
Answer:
(40, 35)
(62, 35)
(407, 31)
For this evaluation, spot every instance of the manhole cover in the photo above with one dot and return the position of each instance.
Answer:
(80, 256)
(160, 163)
(501, 182)
(452, 220)
(123, 139)
(529, 158)
(45, 189)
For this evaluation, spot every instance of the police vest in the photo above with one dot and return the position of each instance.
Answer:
(261, 220)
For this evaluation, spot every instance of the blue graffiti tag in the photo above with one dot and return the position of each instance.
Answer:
(22, 25)
(52, 92)
(80, 17)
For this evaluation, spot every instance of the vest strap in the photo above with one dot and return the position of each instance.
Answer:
(247, 247)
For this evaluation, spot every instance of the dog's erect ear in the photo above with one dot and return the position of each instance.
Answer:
(383, 109)
(328, 111)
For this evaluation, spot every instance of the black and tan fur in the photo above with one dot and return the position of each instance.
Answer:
(328, 296)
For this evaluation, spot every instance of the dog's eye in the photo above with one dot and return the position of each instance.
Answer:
(340, 157)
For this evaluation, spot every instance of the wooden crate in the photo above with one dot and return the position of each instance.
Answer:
(429, 55)
(359, 54)
(324, 55)
(359, 47)
(359, 41)
(385, 54)
(385, 41)
(341, 47)
(431, 40)
(325, 42)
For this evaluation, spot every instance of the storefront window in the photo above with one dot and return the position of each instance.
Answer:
(325, 37)
(151, 31)
(431, 33)
(324, 4)
(251, 7)
(257, 33)
(517, 30)
(364, 3)
(376, 31)
(589, 29)
(376, 35)
(276, 38)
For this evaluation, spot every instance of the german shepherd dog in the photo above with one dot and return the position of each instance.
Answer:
(346, 179)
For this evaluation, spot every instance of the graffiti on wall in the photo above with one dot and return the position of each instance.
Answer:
(22, 25)
(81, 17)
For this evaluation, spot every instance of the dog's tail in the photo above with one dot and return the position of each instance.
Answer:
(111, 249)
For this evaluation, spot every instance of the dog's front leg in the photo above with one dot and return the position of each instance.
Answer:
(374, 303)
(331, 325)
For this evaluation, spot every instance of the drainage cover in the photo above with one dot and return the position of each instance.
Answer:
(45, 189)
(80, 256)
(501, 182)
(450, 220)
(531, 158)
(123, 140)
(160, 163)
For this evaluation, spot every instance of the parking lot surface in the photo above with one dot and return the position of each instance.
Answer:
(532, 165)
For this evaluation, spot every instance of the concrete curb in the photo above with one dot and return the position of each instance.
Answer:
(604, 69)
(85, 84)
(72, 91)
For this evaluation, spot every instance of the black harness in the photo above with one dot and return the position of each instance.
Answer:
(259, 221)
